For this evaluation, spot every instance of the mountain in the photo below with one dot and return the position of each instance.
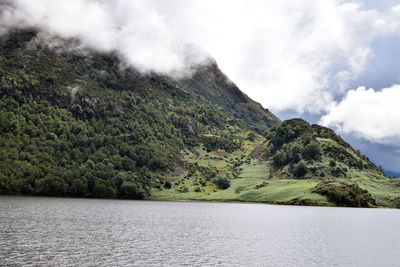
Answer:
(81, 123)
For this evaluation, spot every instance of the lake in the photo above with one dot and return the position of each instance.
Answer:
(95, 232)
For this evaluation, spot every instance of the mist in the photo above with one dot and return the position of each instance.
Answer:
(134, 30)
(301, 56)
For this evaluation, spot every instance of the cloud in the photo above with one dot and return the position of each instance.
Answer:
(133, 29)
(300, 56)
(373, 115)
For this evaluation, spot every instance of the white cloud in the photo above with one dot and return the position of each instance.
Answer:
(371, 114)
(132, 28)
(396, 8)
(287, 55)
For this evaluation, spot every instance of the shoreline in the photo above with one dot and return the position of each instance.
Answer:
(194, 201)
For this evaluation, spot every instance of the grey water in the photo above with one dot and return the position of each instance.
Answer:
(93, 232)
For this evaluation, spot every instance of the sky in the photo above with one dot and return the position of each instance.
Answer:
(331, 62)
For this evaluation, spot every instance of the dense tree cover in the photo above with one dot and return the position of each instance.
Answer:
(47, 151)
(301, 149)
(79, 124)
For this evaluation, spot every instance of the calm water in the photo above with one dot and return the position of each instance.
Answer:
(63, 231)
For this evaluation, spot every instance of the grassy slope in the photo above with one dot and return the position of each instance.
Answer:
(253, 172)
(281, 191)
(285, 191)
(259, 181)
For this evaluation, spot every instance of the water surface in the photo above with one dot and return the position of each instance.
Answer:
(64, 231)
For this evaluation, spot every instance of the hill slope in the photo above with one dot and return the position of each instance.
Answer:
(78, 123)
(302, 164)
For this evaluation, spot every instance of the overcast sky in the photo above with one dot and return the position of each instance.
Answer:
(336, 63)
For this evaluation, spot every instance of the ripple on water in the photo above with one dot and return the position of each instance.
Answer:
(93, 232)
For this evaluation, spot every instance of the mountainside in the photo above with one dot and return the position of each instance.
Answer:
(80, 123)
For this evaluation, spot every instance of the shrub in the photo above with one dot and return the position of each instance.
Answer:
(300, 168)
(343, 194)
(167, 184)
(184, 189)
(332, 163)
(222, 182)
(219, 142)
(338, 172)
(251, 136)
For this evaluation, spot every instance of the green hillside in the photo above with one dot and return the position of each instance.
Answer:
(296, 163)
(79, 123)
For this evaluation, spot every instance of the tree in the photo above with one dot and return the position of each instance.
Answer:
(79, 187)
(312, 151)
(102, 190)
(132, 190)
(300, 168)
(280, 158)
(295, 153)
